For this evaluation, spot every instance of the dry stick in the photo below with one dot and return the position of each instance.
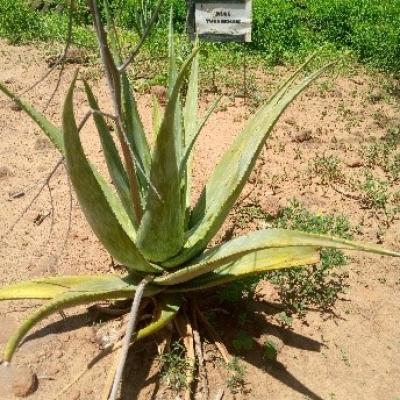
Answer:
(219, 395)
(186, 333)
(214, 336)
(68, 231)
(343, 193)
(190, 354)
(199, 354)
(47, 180)
(128, 335)
(52, 212)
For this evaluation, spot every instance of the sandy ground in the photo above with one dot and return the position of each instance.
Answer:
(353, 355)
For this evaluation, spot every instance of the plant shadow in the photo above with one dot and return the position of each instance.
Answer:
(257, 327)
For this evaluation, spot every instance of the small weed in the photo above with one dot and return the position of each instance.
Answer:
(345, 357)
(243, 341)
(327, 168)
(270, 350)
(381, 153)
(285, 319)
(393, 167)
(236, 378)
(174, 367)
(374, 192)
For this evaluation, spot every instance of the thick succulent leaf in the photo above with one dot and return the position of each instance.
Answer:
(109, 288)
(251, 264)
(190, 127)
(260, 240)
(51, 131)
(135, 132)
(44, 288)
(169, 305)
(113, 159)
(161, 232)
(172, 67)
(48, 288)
(99, 213)
(230, 175)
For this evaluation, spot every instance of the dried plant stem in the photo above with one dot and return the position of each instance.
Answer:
(133, 317)
(199, 354)
(214, 336)
(185, 330)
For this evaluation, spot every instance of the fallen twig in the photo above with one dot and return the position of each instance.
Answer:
(133, 317)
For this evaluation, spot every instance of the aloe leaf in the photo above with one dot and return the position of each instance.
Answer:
(48, 288)
(261, 240)
(169, 306)
(51, 131)
(172, 68)
(92, 199)
(251, 264)
(172, 78)
(113, 159)
(190, 127)
(44, 288)
(110, 289)
(161, 232)
(134, 131)
(230, 175)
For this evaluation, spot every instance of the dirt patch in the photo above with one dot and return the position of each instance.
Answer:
(353, 355)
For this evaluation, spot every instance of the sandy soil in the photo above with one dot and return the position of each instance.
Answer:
(353, 355)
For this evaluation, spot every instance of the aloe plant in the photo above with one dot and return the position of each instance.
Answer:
(145, 218)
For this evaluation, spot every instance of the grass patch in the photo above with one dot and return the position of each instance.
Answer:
(283, 31)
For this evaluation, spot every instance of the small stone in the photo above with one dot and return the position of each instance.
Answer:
(304, 136)
(354, 162)
(14, 106)
(24, 383)
(5, 172)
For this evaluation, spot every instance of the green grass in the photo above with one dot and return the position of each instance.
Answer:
(283, 31)
(174, 367)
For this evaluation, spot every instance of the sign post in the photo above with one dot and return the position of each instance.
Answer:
(220, 20)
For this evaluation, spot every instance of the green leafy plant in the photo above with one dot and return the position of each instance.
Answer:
(145, 219)
(328, 168)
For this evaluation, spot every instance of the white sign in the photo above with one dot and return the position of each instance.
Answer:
(233, 19)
